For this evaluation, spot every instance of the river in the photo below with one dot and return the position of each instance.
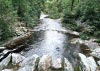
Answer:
(47, 40)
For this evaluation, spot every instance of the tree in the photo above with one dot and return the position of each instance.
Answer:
(6, 18)
(72, 4)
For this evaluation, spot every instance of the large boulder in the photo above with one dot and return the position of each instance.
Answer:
(5, 62)
(91, 45)
(96, 53)
(76, 40)
(92, 63)
(17, 58)
(29, 63)
(17, 41)
(57, 64)
(45, 63)
(98, 62)
(84, 63)
(67, 65)
(7, 70)
(87, 46)
(87, 63)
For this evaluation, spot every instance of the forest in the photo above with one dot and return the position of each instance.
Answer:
(28, 12)
(19, 18)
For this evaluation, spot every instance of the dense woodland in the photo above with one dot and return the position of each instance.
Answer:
(86, 12)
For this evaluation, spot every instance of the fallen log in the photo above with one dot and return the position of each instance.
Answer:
(16, 41)
(70, 32)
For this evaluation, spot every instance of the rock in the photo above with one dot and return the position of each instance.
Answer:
(67, 65)
(4, 54)
(43, 16)
(57, 64)
(45, 63)
(17, 58)
(83, 62)
(5, 51)
(96, 53)
(7, 70)
(5, 62)
(29, 63)
(91, 45)
(2, 48)
(87, 46)
(76, 40)
(98, 62)
(98, 68)
(26, 68)
(92, 63)
(16, 41)
(87, 63)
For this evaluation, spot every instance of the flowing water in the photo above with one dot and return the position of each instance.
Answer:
(47, 40)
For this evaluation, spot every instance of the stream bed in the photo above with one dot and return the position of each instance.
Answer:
(47, 40)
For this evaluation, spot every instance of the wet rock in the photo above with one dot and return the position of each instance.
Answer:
(5, 62)
(45, 63)
(2, 48)
(57, 64)
(67, 65)
(84, 63)
(4, 54)
(92, 63)
(76, 40)
(87, 46)
(7, 70)
(17, 58)
(5, 51)
(87, 63)
(29, 63)
(91, 45)
(96, 53)
(98, 62)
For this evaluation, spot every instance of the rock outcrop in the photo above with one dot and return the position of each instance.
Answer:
(96, 53)
(5, 62)
(45, 63)
(98, 62)
(67, 65)
(57, 64)
(17, 58)
(87, 63)
(16, 41)
(29, 64)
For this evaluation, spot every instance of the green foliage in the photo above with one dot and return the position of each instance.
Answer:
(27, 11)
(88, 11)
(98, 40)
(77, 68)
(51, 8)
(6, 18)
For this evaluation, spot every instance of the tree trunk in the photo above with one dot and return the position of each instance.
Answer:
(18, 41)
(72, 4)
